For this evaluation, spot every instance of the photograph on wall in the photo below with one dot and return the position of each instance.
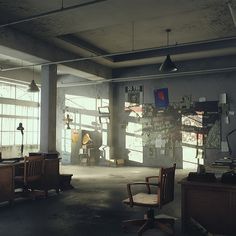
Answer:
(161, 98)
(133, 98)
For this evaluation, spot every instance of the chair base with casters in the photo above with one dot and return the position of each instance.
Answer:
(164, 194)
(150, 222)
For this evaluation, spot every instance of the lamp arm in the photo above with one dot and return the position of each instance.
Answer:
(227, 139)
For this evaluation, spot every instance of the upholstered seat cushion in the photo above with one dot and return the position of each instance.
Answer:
(143, 199)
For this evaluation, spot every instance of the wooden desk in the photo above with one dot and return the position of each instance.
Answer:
(213, 205)
(8, 170)
(6, 182)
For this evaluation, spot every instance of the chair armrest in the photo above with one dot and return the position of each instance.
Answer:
(147, 181)
(131, 201)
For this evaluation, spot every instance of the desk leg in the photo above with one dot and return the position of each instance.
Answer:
(183, 209)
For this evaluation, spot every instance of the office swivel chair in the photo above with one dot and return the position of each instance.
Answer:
(163, 195)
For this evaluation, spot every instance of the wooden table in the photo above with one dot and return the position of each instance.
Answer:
(212, 205)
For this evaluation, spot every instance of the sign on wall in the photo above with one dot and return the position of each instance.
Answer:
(133, 96)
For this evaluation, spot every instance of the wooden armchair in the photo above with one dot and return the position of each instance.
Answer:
(32, 175)
(163, 195)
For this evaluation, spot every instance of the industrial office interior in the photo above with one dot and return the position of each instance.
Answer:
(125, 87)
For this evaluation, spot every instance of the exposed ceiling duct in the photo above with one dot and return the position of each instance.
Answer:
(60, 10)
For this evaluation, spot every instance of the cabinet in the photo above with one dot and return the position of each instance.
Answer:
(212, 205)
(51, 175)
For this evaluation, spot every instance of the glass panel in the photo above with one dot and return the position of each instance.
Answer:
(80, 102)
(7, 90)
(104, 138)
(87, 120)
(134, 128)
(22, 94)
(8, 124)
(9, 135)
(35, 138)
(29, 137)
(105, 102)
(7, 138)
(18, 138)
(8, 109)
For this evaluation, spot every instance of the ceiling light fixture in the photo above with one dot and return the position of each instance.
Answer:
(33, 88)
(168, 65)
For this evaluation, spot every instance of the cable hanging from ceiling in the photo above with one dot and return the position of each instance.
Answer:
(168, 65)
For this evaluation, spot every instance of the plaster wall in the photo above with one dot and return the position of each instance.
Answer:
(208, 86)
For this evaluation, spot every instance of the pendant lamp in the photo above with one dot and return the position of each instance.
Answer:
(33, 88)
(168, 65)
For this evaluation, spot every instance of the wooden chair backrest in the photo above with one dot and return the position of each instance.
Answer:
(33, 168)
(166, 183)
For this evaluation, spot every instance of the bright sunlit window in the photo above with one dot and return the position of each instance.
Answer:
(84, 112)
(18, 106)
(134, 142)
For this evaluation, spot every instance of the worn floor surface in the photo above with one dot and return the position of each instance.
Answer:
(93, 208)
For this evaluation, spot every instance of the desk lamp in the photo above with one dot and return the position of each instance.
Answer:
(21, 128)
(227, 139)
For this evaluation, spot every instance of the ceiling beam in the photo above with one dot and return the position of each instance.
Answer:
(26, 45)
(177, 49)
(78, 42)
(222, 63)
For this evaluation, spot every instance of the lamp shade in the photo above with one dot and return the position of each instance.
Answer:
(33, 88)
(168, 65)
(20, 127)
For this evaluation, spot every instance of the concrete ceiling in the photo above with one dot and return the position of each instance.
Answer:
(129, 32)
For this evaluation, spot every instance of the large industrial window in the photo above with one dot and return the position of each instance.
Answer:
(18, 106)
(83, 111)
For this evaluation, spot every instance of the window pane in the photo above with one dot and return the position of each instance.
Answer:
(8, 124)
(18, 138)
(7, 138)
(9, 135)
(87, 120)
(7, 90)
(29, 137)
(8, 109)
(22, 94)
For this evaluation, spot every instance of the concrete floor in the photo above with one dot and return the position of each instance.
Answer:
(93, 207)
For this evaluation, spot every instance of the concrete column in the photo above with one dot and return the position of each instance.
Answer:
(48, 109)
(113, 131)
